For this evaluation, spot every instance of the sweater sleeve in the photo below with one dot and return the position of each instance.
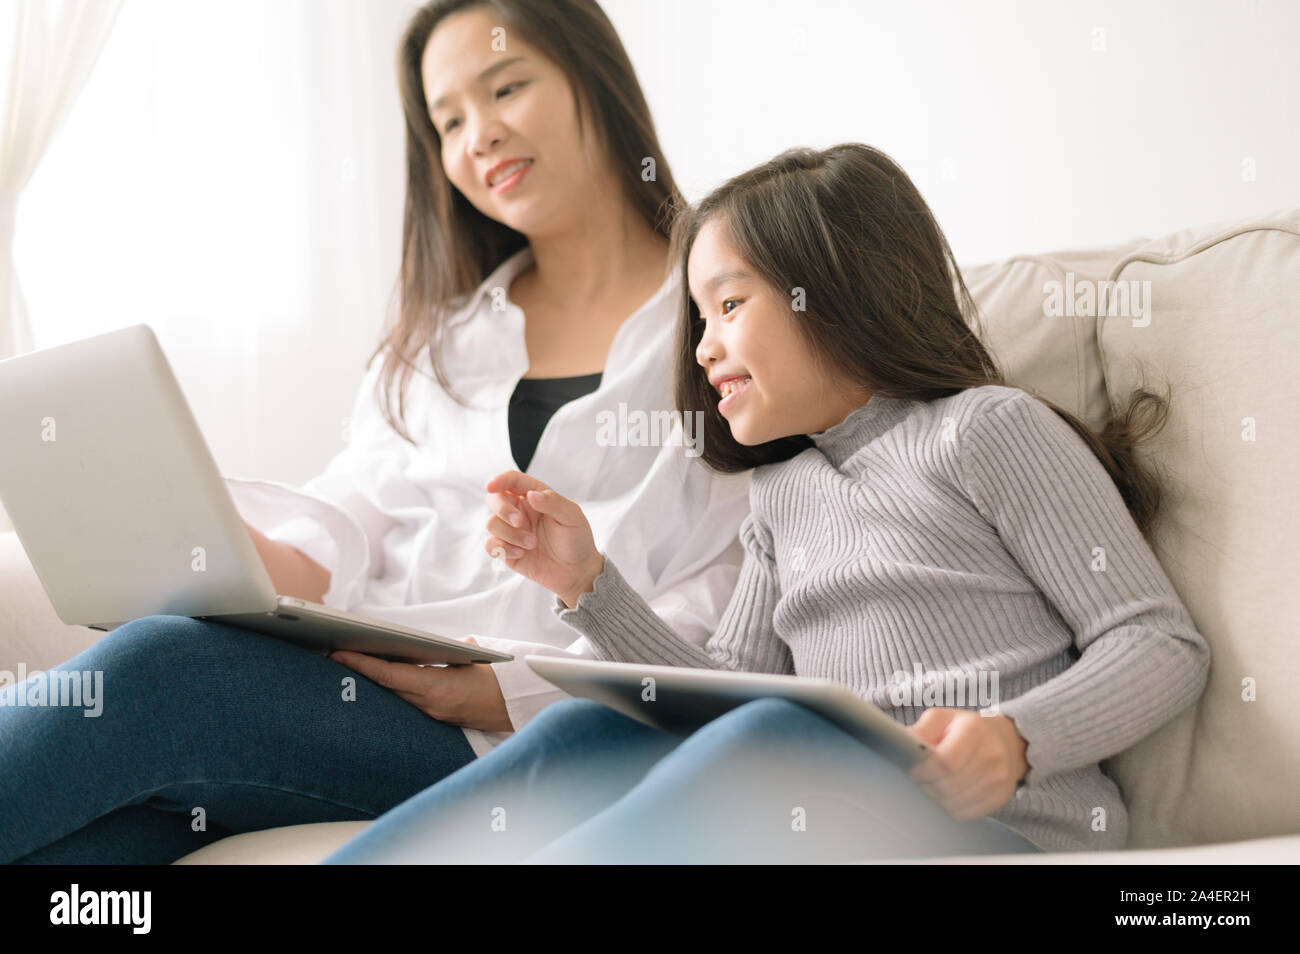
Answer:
(1141, 659)
(622, 627)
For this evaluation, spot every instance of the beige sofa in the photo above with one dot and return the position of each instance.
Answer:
(1217, 318)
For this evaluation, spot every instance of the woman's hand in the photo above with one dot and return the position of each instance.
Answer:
(467, 695)
(976, 763)
(541, 535)
(292, 572)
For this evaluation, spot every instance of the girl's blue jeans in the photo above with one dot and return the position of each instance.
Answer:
(771, 781)
(205, 730)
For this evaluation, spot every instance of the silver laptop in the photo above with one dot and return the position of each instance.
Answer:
(123, 513)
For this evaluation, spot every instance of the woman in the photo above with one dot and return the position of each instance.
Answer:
(910, 513)
(536, 307)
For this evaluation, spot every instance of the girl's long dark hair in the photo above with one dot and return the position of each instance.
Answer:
(885, 302)
(448, 246)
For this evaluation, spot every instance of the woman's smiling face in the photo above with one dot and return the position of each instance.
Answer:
(769, 382)
(508, 123)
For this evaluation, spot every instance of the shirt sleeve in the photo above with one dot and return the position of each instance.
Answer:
(525, 692)
(621, 626)
(332, 518)
(1141, 659)
(689, 593)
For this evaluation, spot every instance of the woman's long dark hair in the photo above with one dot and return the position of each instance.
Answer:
(886, 304)
(448, 246)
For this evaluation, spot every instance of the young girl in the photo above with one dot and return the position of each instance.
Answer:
(911, 514)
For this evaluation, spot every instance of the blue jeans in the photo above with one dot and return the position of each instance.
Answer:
(209, 727)
(770, 781)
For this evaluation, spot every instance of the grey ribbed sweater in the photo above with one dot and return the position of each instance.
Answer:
(969, 534)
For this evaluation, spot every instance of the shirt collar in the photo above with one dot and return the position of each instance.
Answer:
(861, 426)
(504, 274)
(501, 277)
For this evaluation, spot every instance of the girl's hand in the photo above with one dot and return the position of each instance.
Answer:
(542, 536)
(976, 762)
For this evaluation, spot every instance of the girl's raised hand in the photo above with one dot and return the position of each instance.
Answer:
(541, 535)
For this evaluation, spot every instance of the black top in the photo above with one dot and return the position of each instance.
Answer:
(534, 402)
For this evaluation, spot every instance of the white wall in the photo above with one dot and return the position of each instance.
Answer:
(1019, 133)
(232, 174)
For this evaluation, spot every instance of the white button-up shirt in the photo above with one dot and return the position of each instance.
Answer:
(402, 528)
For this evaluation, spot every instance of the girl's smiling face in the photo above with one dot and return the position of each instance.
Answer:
(769, 382)
(508, 125)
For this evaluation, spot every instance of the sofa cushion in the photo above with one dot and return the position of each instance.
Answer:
(291, 845)
(311, 844)
(1053, 356)
(1257, 851)
(31, 633)
(1224, 333)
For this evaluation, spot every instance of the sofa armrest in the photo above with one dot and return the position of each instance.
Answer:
(31, 632)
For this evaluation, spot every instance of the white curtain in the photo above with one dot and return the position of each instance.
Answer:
(47, 51)
(233, 177)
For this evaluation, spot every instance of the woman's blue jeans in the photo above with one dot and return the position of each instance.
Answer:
(205, 730)
(771, 781)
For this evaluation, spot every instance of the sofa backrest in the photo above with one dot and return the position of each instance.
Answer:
(1209, 314)
(1052, 356)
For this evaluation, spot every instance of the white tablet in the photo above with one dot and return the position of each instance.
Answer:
(684, 699)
